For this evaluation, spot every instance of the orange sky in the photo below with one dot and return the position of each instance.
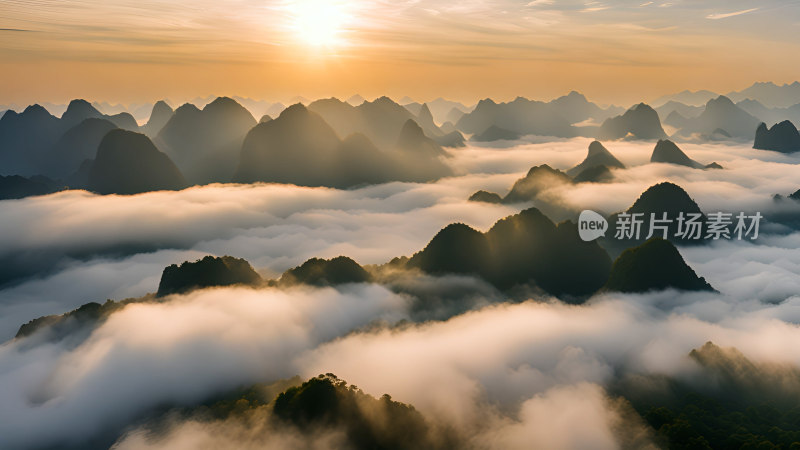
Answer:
(615, 51)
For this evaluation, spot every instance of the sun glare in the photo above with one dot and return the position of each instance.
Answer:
(319, 23)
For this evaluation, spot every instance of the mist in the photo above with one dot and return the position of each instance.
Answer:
(492, 373)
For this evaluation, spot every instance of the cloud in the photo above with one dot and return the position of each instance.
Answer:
(177, 352)
(717, 16)
(489, 372)
(89, 248)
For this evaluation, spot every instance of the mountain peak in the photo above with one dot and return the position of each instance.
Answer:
(720, 101)
(79, 104)
(207, 272)
(596, 148)
(782, 137)
(667, 151)
(294, 110)
(36, 109)
(598, 156)
(187, 108)
(640, 122)
(576, 94)
(128, 163)
(222, 102)
(78, 110)
(425, 115)
(664, 197)
(654, 265)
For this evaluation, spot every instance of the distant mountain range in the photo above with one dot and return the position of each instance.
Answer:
(129, 163)
(301, 147)
(205, 143)
(371, 141)
(29, 141)
(769, 94)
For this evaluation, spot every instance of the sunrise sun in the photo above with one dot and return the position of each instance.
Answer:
(319, 23)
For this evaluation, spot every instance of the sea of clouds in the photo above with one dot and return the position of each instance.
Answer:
(493, 374)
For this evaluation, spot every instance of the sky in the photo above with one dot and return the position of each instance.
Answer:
(614, 51)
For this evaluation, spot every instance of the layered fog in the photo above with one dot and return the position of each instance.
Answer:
(507, 373)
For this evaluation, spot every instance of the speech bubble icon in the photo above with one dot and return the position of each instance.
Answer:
(591, 225)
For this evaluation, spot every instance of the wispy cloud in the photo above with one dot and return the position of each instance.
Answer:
(732, 14)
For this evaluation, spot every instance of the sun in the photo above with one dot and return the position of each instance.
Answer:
(319, 23)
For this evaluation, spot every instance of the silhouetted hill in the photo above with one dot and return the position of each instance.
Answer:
(451, 138)
(129, 163)
(207, 272)
(124, 120)
(448, 127)
(412, 140)
(598, 156)
(441, 109)
(356, 100)
(347, 119)
(782, 137)
(294, 148)
(691, 98)
(78, 111)
(205, 143)
(594, 174)
(654, 265)
(770, 116)
(529, 248)
(381, 120)
(80, 178)
(722, 113)
(524, 249)
(454, 116)
(495, 133)
(78, 144)
(770, 94)
(326, 272)
(667, 152)
(419, 158)
(159, 116)
(424, 117)
(326, 403)
(299, 147)
(15, 186)
(677, 120)
(486, 197)
(537, 179)
(664, 197)
(58, 327)
(413, 107)
(521, 116)
(25, 140)
(729, 402)
(639, 122)
(684, 110)
(658, 199)
(576, 108)
(457, 249)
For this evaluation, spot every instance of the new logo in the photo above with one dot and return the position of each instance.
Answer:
(591, 225)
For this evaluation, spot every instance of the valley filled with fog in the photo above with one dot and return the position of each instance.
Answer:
(491, 368)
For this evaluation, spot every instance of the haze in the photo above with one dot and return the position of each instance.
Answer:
(613, 51)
